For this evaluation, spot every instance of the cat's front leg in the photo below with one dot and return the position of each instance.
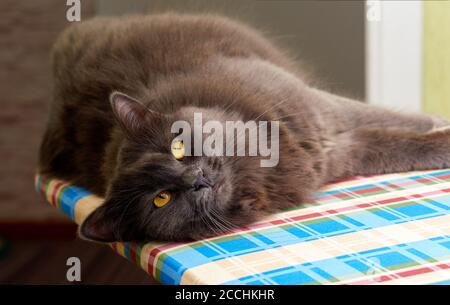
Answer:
(366, 151)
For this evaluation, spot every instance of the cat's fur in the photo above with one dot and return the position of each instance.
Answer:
(176, 65)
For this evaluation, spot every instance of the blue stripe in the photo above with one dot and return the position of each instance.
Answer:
(206, 252)
(366, 262)
(69, 198)
(38, 184)
(446, 282)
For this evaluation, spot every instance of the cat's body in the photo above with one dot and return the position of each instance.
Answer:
(177, 65)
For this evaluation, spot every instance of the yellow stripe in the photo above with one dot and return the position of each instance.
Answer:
(120, 249)
(50, 191)
(145, 252)
(232, 268)
(85, 206)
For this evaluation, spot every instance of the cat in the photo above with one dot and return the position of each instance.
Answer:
(120, 84)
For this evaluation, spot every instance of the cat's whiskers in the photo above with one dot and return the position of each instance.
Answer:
(289, 115)
(230, 104)
(201, 213)
(206, 219)
(218, 225)
(270, 108)
(207, 224)
(224, 224)
(216, 220)
(228, 225)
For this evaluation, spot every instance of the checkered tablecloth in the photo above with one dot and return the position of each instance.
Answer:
(390, 229)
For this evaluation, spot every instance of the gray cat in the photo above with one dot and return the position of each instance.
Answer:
(165, 68)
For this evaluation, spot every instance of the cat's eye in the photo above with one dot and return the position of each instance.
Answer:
(178, 150)
(162, 199)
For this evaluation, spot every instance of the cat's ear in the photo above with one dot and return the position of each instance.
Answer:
(129, 112)
(98, 226)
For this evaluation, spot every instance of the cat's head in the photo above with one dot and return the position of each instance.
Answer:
(158, 192)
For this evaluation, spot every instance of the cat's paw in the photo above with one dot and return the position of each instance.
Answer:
(442, 129)
(439, 122)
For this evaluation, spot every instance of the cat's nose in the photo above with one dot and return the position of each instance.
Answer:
(196, 179)
(201, 182)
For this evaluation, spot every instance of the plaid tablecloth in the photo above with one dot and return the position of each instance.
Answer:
(390, 229)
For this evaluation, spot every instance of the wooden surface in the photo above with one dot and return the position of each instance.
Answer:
(436, 64)
(44, 262)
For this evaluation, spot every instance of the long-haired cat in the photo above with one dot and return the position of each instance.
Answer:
(120, 83)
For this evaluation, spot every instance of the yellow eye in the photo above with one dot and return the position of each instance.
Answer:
(178, 150)
(162, 199)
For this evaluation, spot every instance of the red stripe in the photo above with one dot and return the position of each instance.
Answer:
(151, 260)
(432, 178)
(396, 199)
(340, 195)
(113, 246)
(443, 177)
(423, 270)
(401, 274)
(54, 200)
(367, 190)
(153, 253)
(423, 180)
(133, 252)
(429, 179)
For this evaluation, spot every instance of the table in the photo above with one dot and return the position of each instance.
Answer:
(387, 229)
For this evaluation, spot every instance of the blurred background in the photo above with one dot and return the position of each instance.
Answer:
(388, 54)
